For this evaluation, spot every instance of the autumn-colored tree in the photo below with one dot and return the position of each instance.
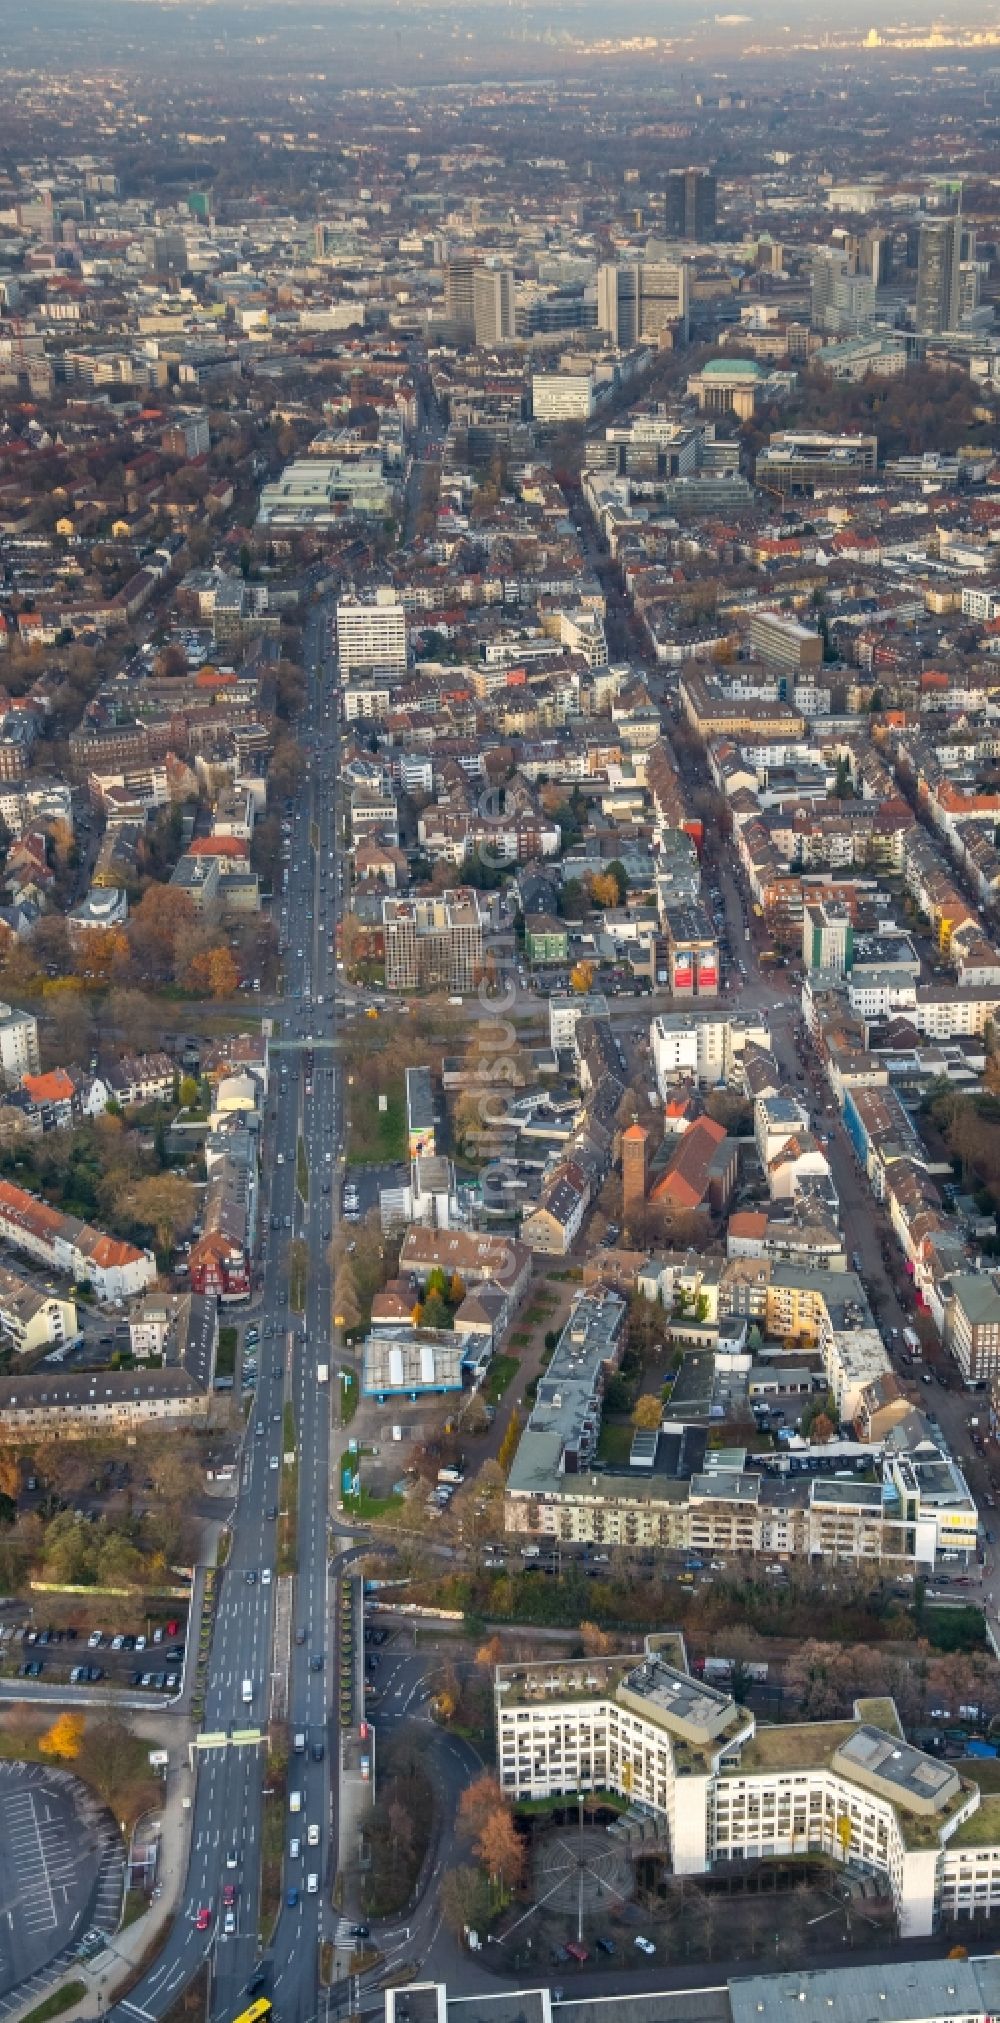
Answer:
(596, 1642)
(50, 944)
(490, 1654)
(448, 1695)
(479, 1799)
(581, 977)
(508, 1445)
(61, 838)
(353, 942)
(648, 1412)
(101, 954)
(214, 971)
(135, 1019)
(464, 1898)
(64, 1737)
(822, 1430)
(165, 1204)
(163, 916)
(346, 1302)
(170, 663)
(501, 1849)
(602, 887)
(456, 1290)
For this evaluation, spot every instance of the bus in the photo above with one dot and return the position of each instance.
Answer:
(258, 2012)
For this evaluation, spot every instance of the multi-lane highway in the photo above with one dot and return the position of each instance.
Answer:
(303, 1103)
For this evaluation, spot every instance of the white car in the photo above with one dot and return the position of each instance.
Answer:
(312, 1834)
(294, 1849)
(312, 1885)
(645, 1945)
(265, 1576)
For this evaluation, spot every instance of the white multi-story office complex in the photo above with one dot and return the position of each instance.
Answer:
(728, 1791)
(371, 634)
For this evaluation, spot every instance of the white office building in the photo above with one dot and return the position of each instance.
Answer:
(688, 1048)
(728, 1791)
(562, 396)
(371, 634)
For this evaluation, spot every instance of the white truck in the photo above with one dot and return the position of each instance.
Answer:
(322, 1373)
(295, 1801)
(247, 1693)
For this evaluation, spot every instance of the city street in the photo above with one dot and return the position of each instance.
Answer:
(227, 1817)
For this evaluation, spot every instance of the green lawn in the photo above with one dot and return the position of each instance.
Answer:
(348, 1399)
(302, 1170)
(298, 1263)
(225, 1361)
(615, 1443)
(501, 1372)
(376, 1137)
(56, 2003)
(288, 1518)
(364, 1505)
(136, 1906)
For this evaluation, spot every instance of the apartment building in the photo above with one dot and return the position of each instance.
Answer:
(31, 1317)
(906, 1509)
(784, 643)
(77, 1404)
(18, 1044)
(972, 1324)
(712, 712)
(727, 1790)
(827, 936)
(688, 1046)
(434, 943)
(911, 1512)
(371, 634)
(63, 1243)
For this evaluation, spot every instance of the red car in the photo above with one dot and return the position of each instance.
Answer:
(228, 1895)
(204, 1918)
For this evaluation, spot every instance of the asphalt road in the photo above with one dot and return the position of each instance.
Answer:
(230, 1797)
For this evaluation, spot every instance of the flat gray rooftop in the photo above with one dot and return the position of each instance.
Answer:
(675, 1692)
(896, 1762)
(905, 1993)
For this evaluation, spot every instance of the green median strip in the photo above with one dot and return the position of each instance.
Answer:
(60, 2000)
(288, 1522)
(302, 1170)
(298, 1267)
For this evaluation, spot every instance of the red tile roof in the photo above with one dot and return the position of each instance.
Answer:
(685, 1179)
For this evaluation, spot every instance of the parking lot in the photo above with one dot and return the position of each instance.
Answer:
(61, 1871)
(72, 1654)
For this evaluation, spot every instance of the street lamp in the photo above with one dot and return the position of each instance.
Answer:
(579, 1892)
